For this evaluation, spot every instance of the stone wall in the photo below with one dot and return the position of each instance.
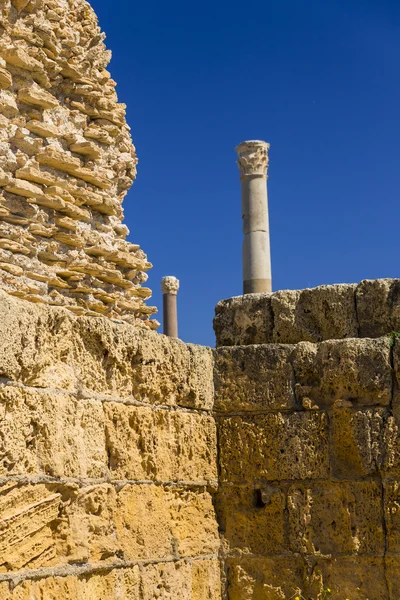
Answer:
(66, 163)
(107, 461)
(309, 449)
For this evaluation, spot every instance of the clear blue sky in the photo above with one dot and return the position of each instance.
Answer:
(317, 79)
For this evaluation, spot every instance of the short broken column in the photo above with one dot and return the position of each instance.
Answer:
(170, 287)
(253, 166)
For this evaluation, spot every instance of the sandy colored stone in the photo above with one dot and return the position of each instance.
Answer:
(206, 584)
(358, 578)
(254, 378)
(336, 518)
(54, 88)
(123, 584)
(279, 578)
(28, 519)
(155, 522)
(355, 370)
(87, 529)
(317, 314)
(378, 307)
(51, 434)
(244, 320)
(360, 442)
(159, 445)
(47, 347)
(170, 580)
(252, 520)
(273, 447)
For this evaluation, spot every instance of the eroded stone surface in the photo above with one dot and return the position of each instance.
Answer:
(340, 311)
(66, 163)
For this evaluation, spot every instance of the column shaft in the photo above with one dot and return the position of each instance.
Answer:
(170, 317)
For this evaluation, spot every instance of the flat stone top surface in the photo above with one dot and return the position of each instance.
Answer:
(368, 309)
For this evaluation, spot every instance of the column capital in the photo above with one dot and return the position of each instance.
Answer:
(253, 158)
(170, 285)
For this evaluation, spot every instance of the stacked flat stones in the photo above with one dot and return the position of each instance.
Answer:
(66, 163)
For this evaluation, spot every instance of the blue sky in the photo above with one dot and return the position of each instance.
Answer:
(319, 80)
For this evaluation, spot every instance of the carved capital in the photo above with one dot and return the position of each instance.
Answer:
(169, 285)
(253, 158)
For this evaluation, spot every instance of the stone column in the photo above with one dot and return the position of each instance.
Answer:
(170, 287)
(253, 166)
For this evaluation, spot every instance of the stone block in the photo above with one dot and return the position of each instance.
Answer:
(313, 315)
(161, 445)
(353, 578)
(392, 514)
(50, 433)
(123, 584)
(206, 581)
(244, 320)
(392, 573)
(253, 378)
(167, 580)
(46, 525)
(154, 522)
(378, 307)
(355, 370)
(252, 520)
(273, 447)
(336, 518)
(46, 347)
(358, 442)
(278, 578)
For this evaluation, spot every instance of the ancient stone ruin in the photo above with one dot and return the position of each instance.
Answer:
(66, 163)
(134, 466)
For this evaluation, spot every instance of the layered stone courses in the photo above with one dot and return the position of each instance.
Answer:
(107, 460)
(370, 309)
(66, 163)
(309, 453)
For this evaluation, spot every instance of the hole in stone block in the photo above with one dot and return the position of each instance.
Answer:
(258, 501)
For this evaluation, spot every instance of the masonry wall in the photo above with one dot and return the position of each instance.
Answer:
(309, 450)
(107, 461)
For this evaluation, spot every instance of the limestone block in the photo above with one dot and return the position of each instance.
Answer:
(159, 445)
(167, 580)
(47, 347)
(37, 96)
(273, 447)
(5, 78)
(359, 442)
(355, 370)
(24, 188)
(206, 584)
(336, 518)
(378, 307)
(28, 518)
(252, 520)
(154, 522)
(392, 575)
(278, 578)
(314, 315)
(123, 584)
(50, 433)
(358, 578)
(253, 378)
(392, 514)
(244, 320)
(8, 105)
(87, 531)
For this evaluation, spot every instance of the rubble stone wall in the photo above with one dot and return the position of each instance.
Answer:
(66, 163)
(308, 443)
(107, 460)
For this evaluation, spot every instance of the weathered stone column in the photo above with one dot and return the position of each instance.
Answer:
(170, 287)
(253, 166)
